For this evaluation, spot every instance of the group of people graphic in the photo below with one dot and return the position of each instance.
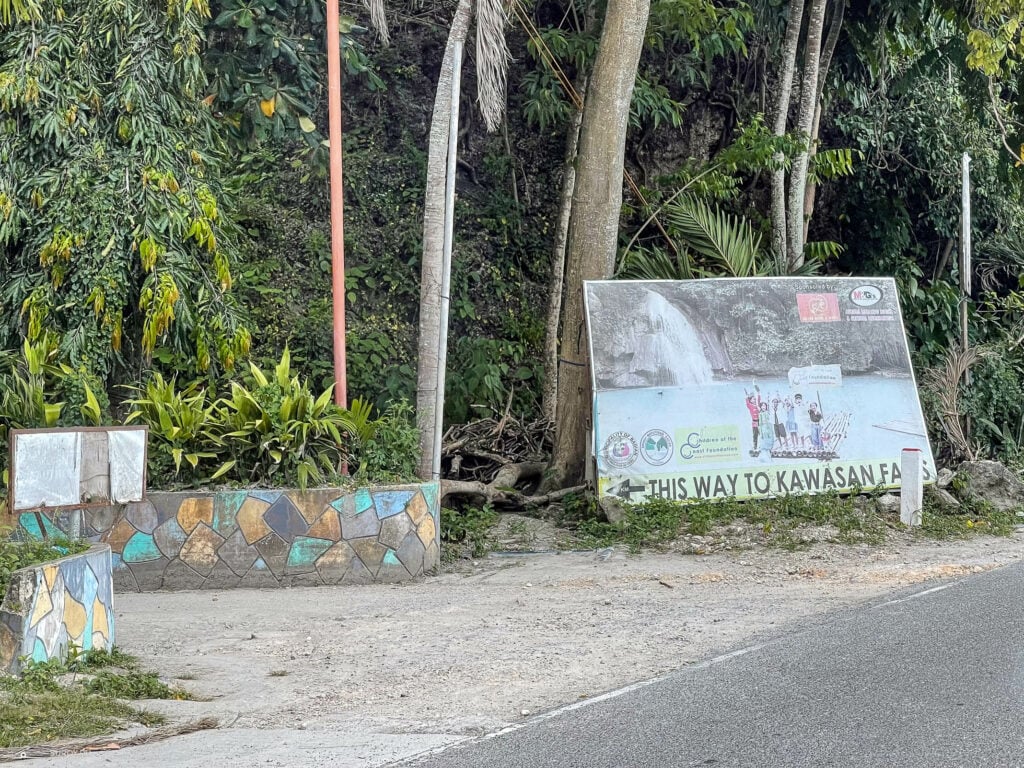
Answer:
(786, 427)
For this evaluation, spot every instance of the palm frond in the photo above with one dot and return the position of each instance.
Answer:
(492, 58)
(944, 384)
(729, 243)
(654, 264)
(378, 19)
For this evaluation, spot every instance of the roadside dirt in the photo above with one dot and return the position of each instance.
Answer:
(486, 643)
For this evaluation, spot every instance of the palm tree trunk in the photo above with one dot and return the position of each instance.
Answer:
(594, 227)
(804, 124)
(433, 243)
(789, 51)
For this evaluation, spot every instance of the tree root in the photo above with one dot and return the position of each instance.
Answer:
(502, 493)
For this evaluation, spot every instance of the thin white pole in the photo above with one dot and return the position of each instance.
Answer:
(446, 263)
(965, 268)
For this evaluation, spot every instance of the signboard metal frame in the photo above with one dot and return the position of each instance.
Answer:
(12, 464)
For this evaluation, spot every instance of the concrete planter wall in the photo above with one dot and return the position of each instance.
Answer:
(258, 538)
(52, 606)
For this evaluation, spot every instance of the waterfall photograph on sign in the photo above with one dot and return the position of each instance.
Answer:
(750, 387)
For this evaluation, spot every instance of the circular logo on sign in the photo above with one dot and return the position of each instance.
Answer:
(620, 449)
(866, 295)
(656, 447)
(689, 449)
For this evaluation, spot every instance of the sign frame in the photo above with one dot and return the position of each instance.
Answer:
(15, 434)
(808, 293)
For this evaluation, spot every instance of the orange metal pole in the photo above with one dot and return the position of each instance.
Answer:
(337, 200)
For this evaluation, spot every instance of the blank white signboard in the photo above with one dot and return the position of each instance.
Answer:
(48, 469)
(127, 451)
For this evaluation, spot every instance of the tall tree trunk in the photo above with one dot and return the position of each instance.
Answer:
(835, 26)
(557, 287)
(594, 229)
(789, 51)
(433, 243)
(804, 123)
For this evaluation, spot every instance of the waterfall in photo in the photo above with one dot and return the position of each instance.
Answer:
(668, 350)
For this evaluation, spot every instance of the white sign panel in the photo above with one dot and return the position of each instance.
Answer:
(127, 451)
(77, 467)
(48, 469)
(748, 388)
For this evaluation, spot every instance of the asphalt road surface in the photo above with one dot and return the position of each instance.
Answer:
(929, 679)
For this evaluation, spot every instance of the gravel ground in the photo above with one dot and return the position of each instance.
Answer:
(363, 676)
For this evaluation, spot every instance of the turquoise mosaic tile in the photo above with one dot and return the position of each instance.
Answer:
(392, 502)
(30, 523)
(141, 548)
(364, 501)
(225, 509)
(305, 551)
(391, 558)
(430, 494)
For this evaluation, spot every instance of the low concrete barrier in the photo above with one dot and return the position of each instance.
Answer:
(55, 605)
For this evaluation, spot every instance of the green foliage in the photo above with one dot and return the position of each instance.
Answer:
(657, 522)
(42, 705)
(182, 427)
(269, 428)
(467, 528)
(132, 685)
(100, 658)
(711, 243)
(265, 64)
(652, 523)
(111, 229)
(389, 454)
(15, 555)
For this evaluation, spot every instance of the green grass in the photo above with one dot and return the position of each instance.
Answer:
(978, 518)
(77, 698)
(34, 717)
(133, 685)
(856, 520)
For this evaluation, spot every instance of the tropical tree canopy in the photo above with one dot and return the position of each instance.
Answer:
(113, 232)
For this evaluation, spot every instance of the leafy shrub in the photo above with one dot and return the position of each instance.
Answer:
(181, 427)
(277, 429)
(468, 526)
(269, 428)
(390, 453)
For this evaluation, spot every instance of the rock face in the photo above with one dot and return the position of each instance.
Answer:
(991, 481)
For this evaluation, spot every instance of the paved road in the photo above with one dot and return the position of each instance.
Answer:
(929, 680)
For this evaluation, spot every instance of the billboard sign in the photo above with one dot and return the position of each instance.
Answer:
(750, 387)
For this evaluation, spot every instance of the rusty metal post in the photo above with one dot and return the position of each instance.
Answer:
(337, 200)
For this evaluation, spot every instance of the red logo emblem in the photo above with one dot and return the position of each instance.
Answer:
(818, 307)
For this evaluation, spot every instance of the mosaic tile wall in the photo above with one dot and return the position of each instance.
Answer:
(52, 606)
(263, 538)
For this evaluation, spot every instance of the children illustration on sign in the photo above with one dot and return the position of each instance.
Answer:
(791, 427)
